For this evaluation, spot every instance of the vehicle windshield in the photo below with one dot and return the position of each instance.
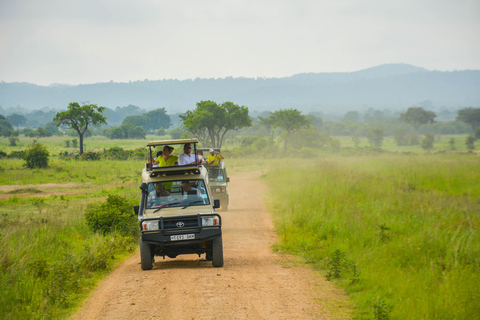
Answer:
(215, 175)
(177, 193)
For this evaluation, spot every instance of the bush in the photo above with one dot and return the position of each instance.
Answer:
(470, 142)
(115, 214)
(427, 142)
(90, 155)
(37, 156)
(116, 153)
(17, 154)
(13, 141)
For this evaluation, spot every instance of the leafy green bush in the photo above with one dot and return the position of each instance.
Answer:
(17, 154)
(90, 155)
(37, 156)
(116, 213)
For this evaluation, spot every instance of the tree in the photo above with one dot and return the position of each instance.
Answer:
(375, 136)
(470, 142)
(427, 142)
(158, 118)
(209, 122)
(352, 116)
(18, 119)
(268, 124)
(416, 116)
(290, 120)
(80, 117)
(5, 126)
(470, 116)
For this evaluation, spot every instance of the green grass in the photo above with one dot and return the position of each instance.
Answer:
(398, 233)
(49, 259)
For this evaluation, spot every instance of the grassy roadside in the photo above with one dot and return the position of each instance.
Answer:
(400, 234)
(49, 259)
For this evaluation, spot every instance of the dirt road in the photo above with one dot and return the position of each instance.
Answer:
(253, 284)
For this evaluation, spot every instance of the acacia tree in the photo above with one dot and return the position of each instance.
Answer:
(470, 116)
(80, 117)
(17, 119)
(291, 120)
(416, 116)
(209, 122)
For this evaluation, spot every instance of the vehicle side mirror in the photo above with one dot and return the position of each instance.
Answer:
(136, 209)
(228, 179)
(144, 188)
(216, 203)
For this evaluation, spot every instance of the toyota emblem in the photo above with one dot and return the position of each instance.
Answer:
(180, 224)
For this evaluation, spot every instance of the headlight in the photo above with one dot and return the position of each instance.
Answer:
(222, 189)
(210, 221)
(150, 225)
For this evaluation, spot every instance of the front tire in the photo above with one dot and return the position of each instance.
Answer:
(217, 253)
(146, 256)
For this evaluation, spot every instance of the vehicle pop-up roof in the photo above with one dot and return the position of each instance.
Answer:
(176, 169)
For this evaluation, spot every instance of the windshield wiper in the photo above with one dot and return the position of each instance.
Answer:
(192, 203)
(160, 208)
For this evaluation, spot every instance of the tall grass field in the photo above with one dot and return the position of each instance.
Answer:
(400, 234)
(50, 260)
(396, 228)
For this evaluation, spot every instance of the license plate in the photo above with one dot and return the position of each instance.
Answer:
(182, 237)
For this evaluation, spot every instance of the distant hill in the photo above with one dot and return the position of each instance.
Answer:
(390, 86)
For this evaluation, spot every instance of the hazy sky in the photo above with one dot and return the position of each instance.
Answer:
(89, 41)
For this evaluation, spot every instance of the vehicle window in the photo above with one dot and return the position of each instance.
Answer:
(215, 175)
(177, 193)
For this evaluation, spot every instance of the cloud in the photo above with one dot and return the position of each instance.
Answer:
(96, 41)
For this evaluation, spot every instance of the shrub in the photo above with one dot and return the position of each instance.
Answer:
(470, 142)
(37, 156)
(90, 155)
(115, 214)
(13, 140)
(427, 142)
(116, 153)
(17, 154)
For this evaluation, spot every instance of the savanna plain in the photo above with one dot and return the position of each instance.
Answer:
(397, 231)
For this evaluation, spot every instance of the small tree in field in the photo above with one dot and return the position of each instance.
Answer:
(37, 156)
(375, 137)
(427, 142)
(416, 116)
(80, 117)
(290, 120)
(470, 142)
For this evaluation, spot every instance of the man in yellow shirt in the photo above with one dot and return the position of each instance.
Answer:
(214, 158)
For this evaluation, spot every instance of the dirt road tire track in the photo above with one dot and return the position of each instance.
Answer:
(253, 284)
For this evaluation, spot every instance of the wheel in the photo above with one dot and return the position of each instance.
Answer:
(146, 255)
(217, 253)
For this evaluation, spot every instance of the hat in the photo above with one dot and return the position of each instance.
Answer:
(211, 150)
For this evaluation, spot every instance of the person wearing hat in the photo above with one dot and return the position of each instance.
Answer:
(166, 159)
(214, 158)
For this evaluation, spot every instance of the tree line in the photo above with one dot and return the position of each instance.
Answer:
(213, 123)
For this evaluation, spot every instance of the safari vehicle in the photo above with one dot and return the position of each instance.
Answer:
(177, 211)
(218, 179)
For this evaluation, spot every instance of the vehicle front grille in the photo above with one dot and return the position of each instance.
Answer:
(179, 222)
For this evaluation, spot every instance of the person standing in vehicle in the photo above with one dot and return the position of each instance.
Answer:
(214, 157)
(166, 159)
(187, 158)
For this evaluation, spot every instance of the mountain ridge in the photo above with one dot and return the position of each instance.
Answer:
(384, 86)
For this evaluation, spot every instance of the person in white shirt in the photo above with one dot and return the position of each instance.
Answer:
(187, 158)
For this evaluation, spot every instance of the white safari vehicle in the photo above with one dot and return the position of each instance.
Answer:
(177, 211)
